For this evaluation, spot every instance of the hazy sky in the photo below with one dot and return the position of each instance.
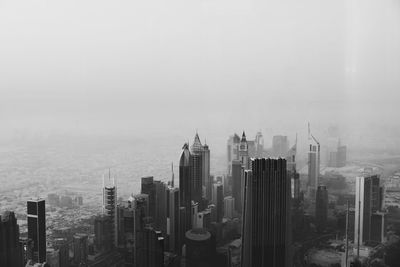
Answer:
(216, 65)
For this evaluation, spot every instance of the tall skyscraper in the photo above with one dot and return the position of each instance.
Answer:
(160, 216)
(229, 207)
(259, 143)
(37, 228)
(321, 208)
(232, 150)
(126, 234)
(152, 254)
(197, 169)
(218, 200)
(292, 172)
(237, 177)
(313, 167)
(367, 203)
(280, 146)
(266, 215)
(185, 185)
(244, 151)
(173, 219)
(10, 250)
(110, 208)
(207, 181)
(149, 188)
(102, 240)
(80, 249)
(141, 211)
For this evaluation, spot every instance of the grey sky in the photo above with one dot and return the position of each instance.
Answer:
(220, 65)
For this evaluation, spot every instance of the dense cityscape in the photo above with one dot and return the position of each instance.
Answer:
(263, 211)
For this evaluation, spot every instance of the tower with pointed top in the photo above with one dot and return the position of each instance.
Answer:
(244, 151)
(185, 186)
(197, 152)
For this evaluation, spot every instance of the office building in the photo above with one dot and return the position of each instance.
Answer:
(110, 208)
(141, 211)
(244, 152)
(160, 216)
(313, 167)
(126, 234)
(280, 146)
(259, 145)
(185, 185)
(232, 151)
(218, 200)
(10, 249)
(266, 215)
(229, 207)
(37, 228)
(199, 248)
(367, 203)
(80, 248)
(149, 188)
(102, 239)
(172, 213)
(207, 179)
(196, 152)
(152, 252)
(237, 177)
(321, 208)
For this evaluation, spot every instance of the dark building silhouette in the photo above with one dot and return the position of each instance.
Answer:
(102, 234)
(126, 233)
(172, 219)
(185, 185)
(149, 188)
(218, 200)
(80, 248)
(321, 208)
(232, 150)
(200, 248)
(10, 249)
(207, 179)
(37, 228)
(266, 214)
(140, 204)
(160, 216)
(110, 209)
(152, 254)
(237, 188)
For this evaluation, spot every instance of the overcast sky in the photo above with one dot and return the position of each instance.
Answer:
(215, 65)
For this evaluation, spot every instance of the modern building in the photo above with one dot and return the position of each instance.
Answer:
(292, 171)
(149, 188)
(218, 200)
(126, 234)
(152, 251)
(37, 228)
(321, 208)
(80, 248)
(160, 216)
(367, 204)
(199, 248)
(10, 249)
(141, 211)
(232, 151)
(196, 152)
(259, 144)
(244, 152)
(237, 178)
(280, 146)
(229, 207)
(172, 219)
(185, 185)
(102, 234)
(266, 215)
(313, 167)
(207, 179)
(110, 208)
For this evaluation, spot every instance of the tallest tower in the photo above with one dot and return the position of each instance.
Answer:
(197, 170)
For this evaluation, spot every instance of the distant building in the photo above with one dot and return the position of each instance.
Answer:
(338, 158)
(218, 200)
(141, 211)
(185, 185)
(313, 167)
(280, 146)
(237, 186)
(37, 228)
(229, 207)
(149, 188)
(232, 151)
(196, 152)
(10, 249)
(160, 216)
(266, 215)
(259, 144)
(53, 199)
(321, 208)
(244, 152)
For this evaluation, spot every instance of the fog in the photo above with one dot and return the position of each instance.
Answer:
(148, 68)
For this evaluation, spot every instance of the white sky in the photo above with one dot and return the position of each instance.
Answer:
(216, 65)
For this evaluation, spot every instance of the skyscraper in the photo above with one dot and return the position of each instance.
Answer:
(280, 146)
(229, 207)
(185, 185)
(141, 211)
(80, 249)
(110, 208)
(313, 167)
(237, 174)
(149, 188)
(232, 150)
(102, 240)
(266, 215)
(321, 208)
(197, 169)
(259, 143)
(173, 219)
(207, 181)
(10, 249)
(244, 152)
(37, 228)
(160, 216)
(367, 203)
(152, 254)
(126, 232)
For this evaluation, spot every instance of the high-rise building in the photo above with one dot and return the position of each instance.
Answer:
(10, 249)
(218, 200)
(313, 167)
(110, 208)
(149, 188)
(185, 185)
(152, 253)
(266, 215)
(126, 234)
(341, 156)
(199, 248)
(207, 181)
(141, 211)
(37, 228)
(237, 177)
(232, 150)
(173, 219)
(197, 169)
(259, 143)
(367, 204)
(160, 216)
(244, 151)
(80, 249)
(102, 240)
(280, 146)
(292, 172)
(229, 207)
(321, 208)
